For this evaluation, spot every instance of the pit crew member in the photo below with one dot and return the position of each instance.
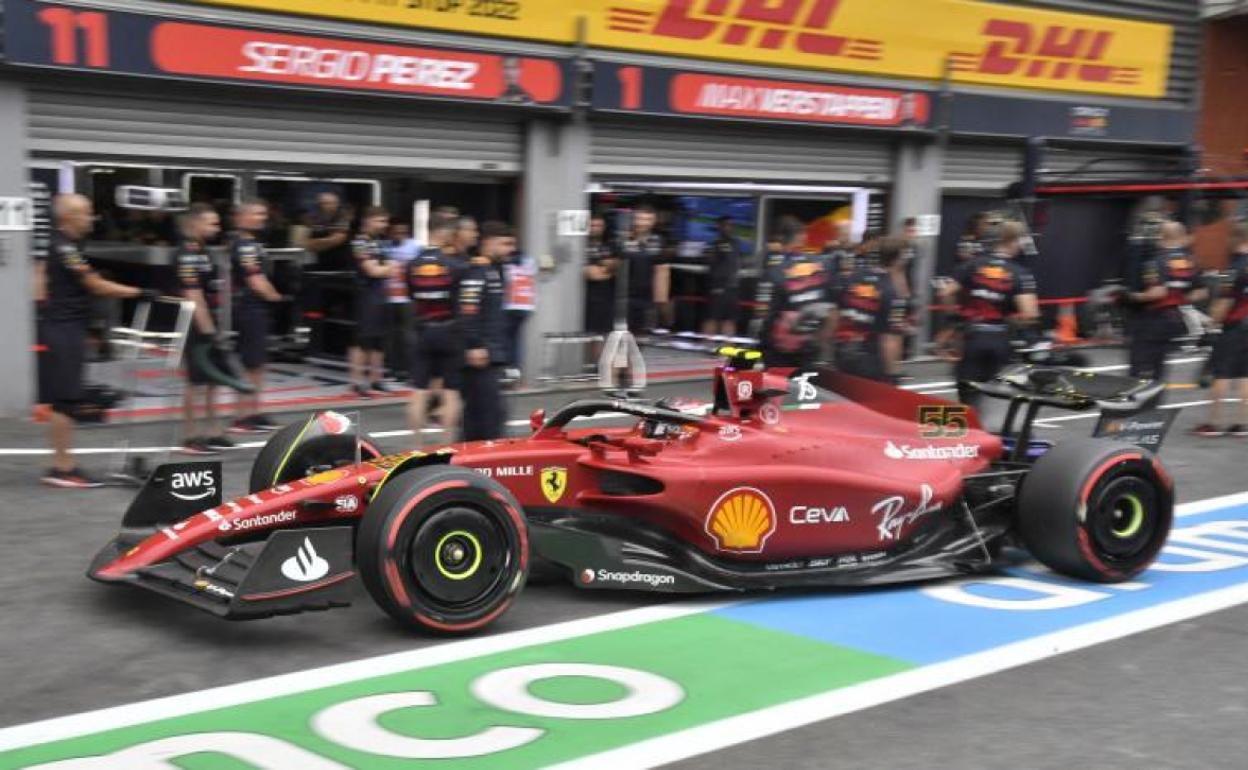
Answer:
(252, 295)
(481, 294)
(794, 302)
(1230, 351)
(1165, 282)
(64, 295)
(873, 317)
(437, 354)
(372, 271)
(648, 275)
(990, 289)
(200, 282)
(723, 257)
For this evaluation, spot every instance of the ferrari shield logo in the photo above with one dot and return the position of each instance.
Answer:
(554, 483)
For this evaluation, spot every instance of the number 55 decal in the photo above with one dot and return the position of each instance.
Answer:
(943, 421)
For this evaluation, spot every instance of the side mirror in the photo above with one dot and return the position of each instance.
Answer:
(537, 419)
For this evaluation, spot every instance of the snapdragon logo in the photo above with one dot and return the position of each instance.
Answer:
(627, 578)
(930, 452)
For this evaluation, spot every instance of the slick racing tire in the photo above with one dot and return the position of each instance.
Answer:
(1096, 510)
(307, 447)
(443, 549)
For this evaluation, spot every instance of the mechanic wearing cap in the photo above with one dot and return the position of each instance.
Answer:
(1165, 282)
(199, 281)
(437, 355)
(1230, 351)
(252, 294)
(794, 302)
(873, 317)
(990, 290)
(372, 271)
(648, 274)
(481, 293)
(64, 288)
(723, 257)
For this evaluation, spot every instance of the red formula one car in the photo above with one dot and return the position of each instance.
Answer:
(811, 480)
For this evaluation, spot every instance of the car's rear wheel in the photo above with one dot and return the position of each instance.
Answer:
(1096, 510)
(443, 549)
(322, 442)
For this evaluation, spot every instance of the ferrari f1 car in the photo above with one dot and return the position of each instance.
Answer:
(781, 480)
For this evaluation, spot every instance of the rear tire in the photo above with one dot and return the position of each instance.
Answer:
(278, 464)
(443, 549)
(1096, 510)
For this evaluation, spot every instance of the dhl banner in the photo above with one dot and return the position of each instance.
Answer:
(979, 42)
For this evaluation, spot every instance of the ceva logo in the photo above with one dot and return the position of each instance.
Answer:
(306, 565)
(197, 485)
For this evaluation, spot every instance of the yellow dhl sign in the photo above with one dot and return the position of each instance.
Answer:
(979, 42)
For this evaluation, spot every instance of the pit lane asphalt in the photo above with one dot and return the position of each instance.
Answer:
(1174, 697)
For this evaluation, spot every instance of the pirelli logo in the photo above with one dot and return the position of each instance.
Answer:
(1019, 49)
(802, 26)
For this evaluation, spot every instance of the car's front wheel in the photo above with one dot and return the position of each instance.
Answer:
(443, 549)
(1097, 510)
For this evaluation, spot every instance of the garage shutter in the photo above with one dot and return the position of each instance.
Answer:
(732, 153)
(982, 167)
(146, 121)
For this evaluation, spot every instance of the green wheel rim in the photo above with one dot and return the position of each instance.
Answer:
(443, 548)
(1135, 517)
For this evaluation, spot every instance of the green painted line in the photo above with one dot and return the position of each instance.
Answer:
(722, 668)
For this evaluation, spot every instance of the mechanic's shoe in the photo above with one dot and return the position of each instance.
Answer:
(1240, 431)
(246, 426)
(220, 442)
(359, 391)
(75, 479)
(198, 446)
(380, 387)
(264, 424)
(1208, 431)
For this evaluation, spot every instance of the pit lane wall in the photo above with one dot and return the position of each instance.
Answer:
(373, 88)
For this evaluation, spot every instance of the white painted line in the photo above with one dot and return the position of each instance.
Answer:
(922, 385)
(817, 708)
(61, 728)
(822, 706)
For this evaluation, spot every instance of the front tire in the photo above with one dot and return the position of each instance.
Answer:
(443, 549)
(1096, 510)
(306, 447)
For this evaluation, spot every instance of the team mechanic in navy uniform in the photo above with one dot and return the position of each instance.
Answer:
(252, 293)
(63, 293)
(372, 269)
(991, 290)
(794, 302)
(1230, 351)
(437, 355)
(199, 281)
(723, 257)
(1165, 281)
(481, 294)
(642, 250)
(873, 318)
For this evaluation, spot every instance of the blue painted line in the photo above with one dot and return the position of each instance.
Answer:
(941, 621)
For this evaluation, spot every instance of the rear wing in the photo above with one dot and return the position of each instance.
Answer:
(1028, 389)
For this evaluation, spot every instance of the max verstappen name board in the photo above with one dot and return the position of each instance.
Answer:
(659, 91)
(71, 37)
(984, 42)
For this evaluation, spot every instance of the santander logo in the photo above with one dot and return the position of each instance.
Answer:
(931, 452)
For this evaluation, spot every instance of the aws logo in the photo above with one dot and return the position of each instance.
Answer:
(1017, 49)
(741, 520)
(798, 25)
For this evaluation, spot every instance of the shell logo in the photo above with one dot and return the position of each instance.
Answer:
(741, 520)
